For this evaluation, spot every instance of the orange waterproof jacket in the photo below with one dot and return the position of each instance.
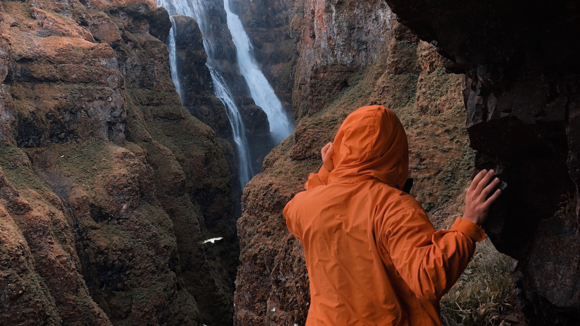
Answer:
(373, 257)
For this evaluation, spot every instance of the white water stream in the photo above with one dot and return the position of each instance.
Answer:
(261, 91)
(173, 58)
(197, 10)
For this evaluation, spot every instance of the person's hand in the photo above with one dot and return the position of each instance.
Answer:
(326, 152)
(476, 202)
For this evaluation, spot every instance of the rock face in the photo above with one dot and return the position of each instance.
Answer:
(335, 76)
(522, 93)
(108, 186)
(333, 47)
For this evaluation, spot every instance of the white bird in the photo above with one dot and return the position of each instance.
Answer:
(212, 240)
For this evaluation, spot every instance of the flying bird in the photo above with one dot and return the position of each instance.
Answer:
(212, 240)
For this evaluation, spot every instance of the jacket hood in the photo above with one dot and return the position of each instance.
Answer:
(371, 143)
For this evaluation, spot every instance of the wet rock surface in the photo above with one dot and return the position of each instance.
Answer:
(521, 91)
(108, 186)
(335, 76)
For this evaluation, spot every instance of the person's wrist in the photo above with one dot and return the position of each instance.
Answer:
(471, 219)
(470, 229)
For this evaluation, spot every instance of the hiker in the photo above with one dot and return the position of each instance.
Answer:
(373, 257)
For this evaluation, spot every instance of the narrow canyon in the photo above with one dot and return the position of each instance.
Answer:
(148, 148)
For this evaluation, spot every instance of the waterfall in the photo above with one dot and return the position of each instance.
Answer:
(223, 94)
(261, 91)
(196, 9)
(173, 59)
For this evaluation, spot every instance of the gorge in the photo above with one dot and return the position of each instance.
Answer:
(133, 131)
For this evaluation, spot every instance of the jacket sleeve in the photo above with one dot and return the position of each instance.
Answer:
(291, 215)
(317, 179)
(429, 262)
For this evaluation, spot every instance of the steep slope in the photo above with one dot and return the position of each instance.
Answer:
(335, 75)
(108, 185)
(522, 95)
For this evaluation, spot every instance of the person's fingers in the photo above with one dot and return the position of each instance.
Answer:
(485, 181)
(489, 188)
(493, 198)
(330, 150)
(477, 178)
(324, 150)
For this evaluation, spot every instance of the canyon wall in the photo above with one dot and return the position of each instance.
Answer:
(522, 94)
(108, 186)
(351, 54)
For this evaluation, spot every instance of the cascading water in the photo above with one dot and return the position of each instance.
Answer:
(261, 91)
(197, 10)
(222, 93)
(173, 58)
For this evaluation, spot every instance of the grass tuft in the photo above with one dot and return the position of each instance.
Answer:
(481, 294)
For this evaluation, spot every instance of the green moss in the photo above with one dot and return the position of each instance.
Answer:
(85, 161)
(16, 166)
(287, 50)
(359, 90)
(403, 91)
(406, 49)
